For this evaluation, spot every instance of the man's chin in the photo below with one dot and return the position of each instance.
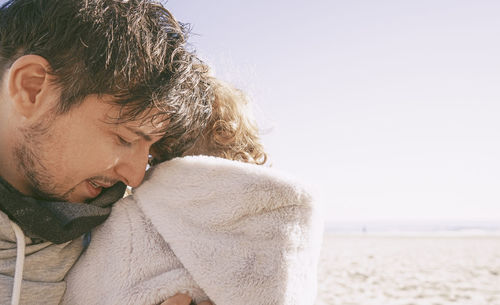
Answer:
(77, 196)
(80, 198)
(82, 193)
(48, 196)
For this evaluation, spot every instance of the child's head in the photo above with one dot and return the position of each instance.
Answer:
(231, 132)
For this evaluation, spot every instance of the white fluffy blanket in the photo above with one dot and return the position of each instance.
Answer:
(232, 232)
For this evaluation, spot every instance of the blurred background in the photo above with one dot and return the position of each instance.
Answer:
(389, 108)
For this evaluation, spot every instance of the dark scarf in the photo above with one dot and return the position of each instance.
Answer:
(54, 221)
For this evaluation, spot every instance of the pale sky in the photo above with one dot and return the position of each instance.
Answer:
(390, 108)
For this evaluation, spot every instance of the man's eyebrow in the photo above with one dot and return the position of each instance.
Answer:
(140, 133)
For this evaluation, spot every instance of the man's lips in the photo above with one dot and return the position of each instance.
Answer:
(97, 184)
(95, 188)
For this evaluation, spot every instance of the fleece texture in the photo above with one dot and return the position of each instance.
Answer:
(215, 229)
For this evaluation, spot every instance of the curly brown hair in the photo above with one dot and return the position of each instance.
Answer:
(231, 132)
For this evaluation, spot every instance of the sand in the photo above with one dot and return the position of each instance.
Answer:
(411, 270)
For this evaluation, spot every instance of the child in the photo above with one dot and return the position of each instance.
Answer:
(231, 132)
(207, 226)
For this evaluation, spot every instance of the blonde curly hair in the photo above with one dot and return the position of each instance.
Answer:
(231, 131)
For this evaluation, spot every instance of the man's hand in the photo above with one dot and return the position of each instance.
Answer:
(182, 299)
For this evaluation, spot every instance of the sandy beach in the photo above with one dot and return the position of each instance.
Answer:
(409, 270)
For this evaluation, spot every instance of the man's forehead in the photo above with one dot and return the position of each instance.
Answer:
(147, 128)
(149, 122)
(146, 131)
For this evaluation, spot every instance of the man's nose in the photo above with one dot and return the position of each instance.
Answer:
(131, 168)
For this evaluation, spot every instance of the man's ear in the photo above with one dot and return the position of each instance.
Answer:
(28, 83)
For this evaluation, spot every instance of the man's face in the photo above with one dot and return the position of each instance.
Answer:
(73, 156)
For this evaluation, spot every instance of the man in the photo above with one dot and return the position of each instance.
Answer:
(88, 89)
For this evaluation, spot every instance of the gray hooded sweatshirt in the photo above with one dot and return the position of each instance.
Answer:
(45, 266)
(32, 269)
